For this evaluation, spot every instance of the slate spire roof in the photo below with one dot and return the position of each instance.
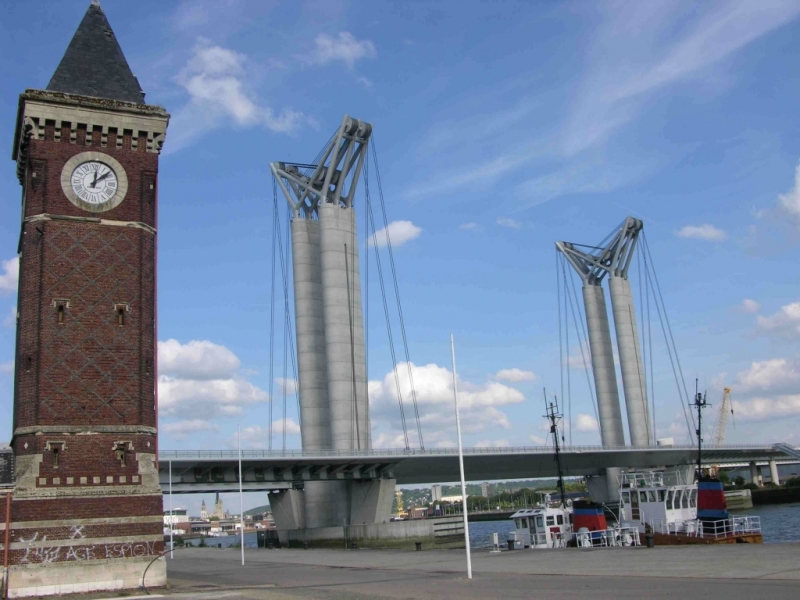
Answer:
(94, 64)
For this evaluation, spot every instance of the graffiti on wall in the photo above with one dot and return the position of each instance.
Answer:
(78, 553)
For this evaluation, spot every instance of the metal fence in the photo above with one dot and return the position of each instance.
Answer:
(403, 452)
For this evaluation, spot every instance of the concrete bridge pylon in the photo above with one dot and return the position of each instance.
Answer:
(334, 407)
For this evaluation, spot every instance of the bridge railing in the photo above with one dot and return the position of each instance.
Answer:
(164, 455)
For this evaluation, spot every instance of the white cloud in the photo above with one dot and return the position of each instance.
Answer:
(633, 53)
(11, 317)
(492, 444)
(216, 80)
(785, 322)
(774, 375)
(367, 83)
(539, 441)
(9, 276)
(584, 422)
(399, 232)
(706, 232)
(583, 360)
(750, 306)
(789, 203)
(473, 174)
(292, 427)
(515, 375)
(763, 409)
(287, 385)
(181, 430)
(508, 222)
(201, 377)
(197, 359)
(388, 440)
(469, 227)
(479, 404)
(345, 47)
(7, 367)
(631, 60)
(210, 397)
(257, 437)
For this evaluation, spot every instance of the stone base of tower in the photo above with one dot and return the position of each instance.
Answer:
(85, 576)
(77, 532)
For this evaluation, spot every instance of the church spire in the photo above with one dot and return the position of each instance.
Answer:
(94, 64)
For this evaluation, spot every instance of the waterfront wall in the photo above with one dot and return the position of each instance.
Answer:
(784, 495)
(425, 530)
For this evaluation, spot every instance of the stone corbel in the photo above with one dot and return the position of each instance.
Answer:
(156, 143)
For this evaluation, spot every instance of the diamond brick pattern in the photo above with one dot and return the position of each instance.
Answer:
(91, 367)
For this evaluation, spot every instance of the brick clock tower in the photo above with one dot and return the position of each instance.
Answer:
(86, 507)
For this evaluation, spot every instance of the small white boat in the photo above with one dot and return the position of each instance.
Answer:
(543, 527)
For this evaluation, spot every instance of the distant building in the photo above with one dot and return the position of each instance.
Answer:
(485, 489)
(201, 527)
(219, 509)
(175, 516)
(451, 498)
(399, 497)
(203, 511)
(419, 512)
(436, 492)
(229, 524)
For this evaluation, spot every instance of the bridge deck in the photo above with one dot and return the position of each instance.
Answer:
(217, 470)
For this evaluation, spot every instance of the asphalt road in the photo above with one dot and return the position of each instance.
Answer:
(725, 572)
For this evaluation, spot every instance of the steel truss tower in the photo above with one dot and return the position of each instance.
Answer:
(334, 408)
(614, 259)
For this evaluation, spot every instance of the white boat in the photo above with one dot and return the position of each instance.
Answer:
(664, 504)
(659, 498)
(549, 527)
(543, 527)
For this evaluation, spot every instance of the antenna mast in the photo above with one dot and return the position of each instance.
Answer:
(554, 416)
(699, 403)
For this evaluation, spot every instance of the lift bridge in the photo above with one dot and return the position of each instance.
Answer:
(198, 471)
(338, 476)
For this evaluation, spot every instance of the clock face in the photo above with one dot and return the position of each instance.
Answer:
(94, 182)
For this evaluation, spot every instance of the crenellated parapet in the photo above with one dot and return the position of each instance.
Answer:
(87, 121)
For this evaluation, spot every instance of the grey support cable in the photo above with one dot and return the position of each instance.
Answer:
(560, 342)
(671, 337)
(272, 307)
(397, 294)
(674, 369)
(388, 325)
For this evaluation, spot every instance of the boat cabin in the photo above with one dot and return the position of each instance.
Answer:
(659, 499)
(541, 527)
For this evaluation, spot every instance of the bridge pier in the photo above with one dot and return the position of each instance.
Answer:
(358, 502)
(755, 474)
(773, 472)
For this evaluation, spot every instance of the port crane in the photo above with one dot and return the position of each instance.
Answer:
(722, 418)
(722, 423)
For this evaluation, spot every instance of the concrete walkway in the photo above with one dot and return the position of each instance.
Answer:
(726, 572)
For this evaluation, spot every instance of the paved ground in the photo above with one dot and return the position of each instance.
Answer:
(727, 572)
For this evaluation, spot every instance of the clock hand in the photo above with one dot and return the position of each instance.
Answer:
(94, 183)
(107, 173)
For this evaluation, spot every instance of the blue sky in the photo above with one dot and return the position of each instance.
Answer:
(501, 128)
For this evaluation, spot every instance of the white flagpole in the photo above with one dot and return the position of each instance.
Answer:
(241, 494)
(171, 516)
(461, 460)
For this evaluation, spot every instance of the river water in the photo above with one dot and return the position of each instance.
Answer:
(779, 523)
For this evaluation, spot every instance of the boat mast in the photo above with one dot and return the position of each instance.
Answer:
(554, 416)
(699, 403)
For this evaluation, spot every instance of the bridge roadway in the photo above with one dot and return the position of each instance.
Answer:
(194, 471)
